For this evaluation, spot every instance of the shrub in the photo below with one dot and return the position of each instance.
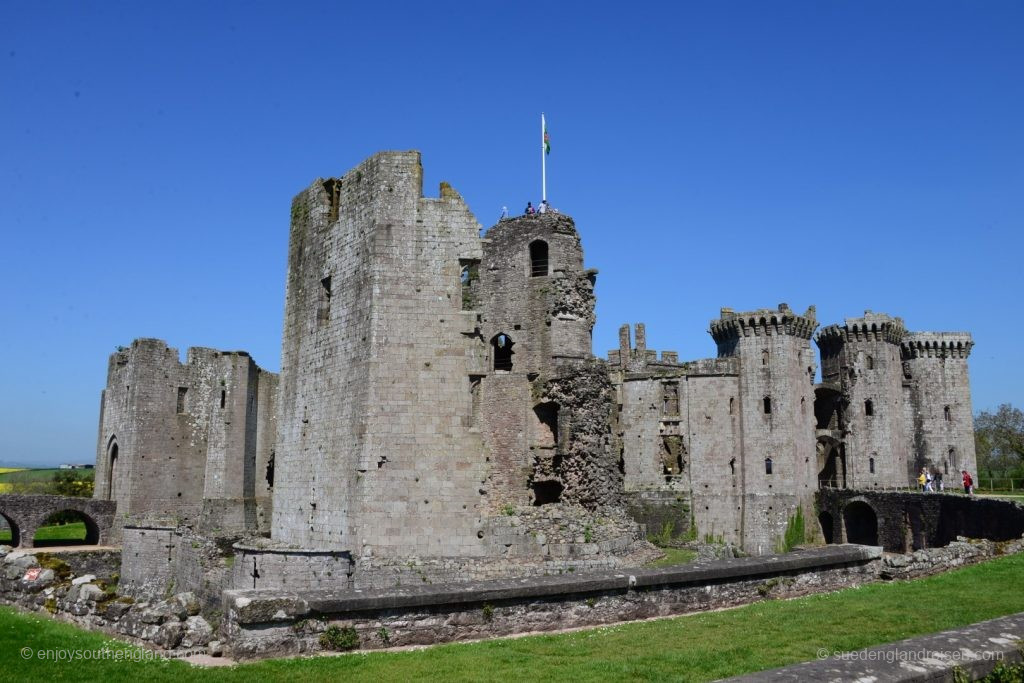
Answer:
(339, 638)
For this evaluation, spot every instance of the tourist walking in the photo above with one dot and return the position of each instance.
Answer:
(529, 209)
(922, 480)
(968, 482)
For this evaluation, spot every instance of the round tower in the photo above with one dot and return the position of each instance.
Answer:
(776, 395)
(860, 362)
(939, 403)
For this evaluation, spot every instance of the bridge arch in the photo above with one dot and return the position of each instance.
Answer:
(60, 517)
(15, 531)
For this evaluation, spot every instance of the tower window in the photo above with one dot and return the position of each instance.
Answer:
(871, 465)
(538, 258)
(181, 399)
(323, 311)
(947, 415)
(767, 405)
(223, 398)
(768, 465)
(501, 347)
(869, 408)
(670, 396)
(764, 357)
(869, 363)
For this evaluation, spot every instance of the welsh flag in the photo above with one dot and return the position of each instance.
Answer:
(547, 140)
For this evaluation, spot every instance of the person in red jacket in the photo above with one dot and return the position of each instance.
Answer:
(968, 482)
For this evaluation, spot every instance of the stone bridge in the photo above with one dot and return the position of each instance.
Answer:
(901, 521)
(26, 513)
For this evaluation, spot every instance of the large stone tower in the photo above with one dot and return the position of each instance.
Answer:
(860, 361)
(938, 403)
(776, 408)
(375, 341)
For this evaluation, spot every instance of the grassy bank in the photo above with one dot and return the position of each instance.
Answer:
(694, 648)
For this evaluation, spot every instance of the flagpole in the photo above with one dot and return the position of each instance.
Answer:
(543, 162)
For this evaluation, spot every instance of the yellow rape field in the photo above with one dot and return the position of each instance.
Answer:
(5, 470)
(5, 488)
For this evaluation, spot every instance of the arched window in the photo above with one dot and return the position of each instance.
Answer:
(768, 465)
(767, 405)
(869, 408)
(871, 465)
(764, 357)
(869, 363)
(947, 415)
(501, 347)
(538, 258)
(112, 468)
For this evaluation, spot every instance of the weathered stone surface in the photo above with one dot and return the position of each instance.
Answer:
(83, 579)
(169, 635)
(92, 592)
(249, 607)
(197, 632)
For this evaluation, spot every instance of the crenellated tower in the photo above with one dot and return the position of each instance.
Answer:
(862, 378)
(776, 397)
(938, 403)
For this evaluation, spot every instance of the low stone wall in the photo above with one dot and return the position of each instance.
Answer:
(81, 588)
(274, 623)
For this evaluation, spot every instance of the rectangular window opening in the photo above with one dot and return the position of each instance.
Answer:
(181, 399)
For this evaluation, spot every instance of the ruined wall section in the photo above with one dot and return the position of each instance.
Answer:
(776, 403)
(939, 393)
(185, 435)
(861, 358)
(678, 426)
(376, 452)
(156, 423)
(534, 295)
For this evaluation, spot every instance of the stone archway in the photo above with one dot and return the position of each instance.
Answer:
(66, 527)
(831, 463)
(861, 523)
(11, 530)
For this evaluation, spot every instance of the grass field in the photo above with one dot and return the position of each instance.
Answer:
(5, 470)
(15, 476)
(694, 648)
(673, 556)
(74, 531)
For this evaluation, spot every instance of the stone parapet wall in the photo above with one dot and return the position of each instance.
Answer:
(269, 623)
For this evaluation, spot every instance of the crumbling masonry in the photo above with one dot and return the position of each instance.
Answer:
(439, 415)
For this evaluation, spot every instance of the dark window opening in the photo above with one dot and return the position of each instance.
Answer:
(546, 432)
(764, 357)
(871, 465)
(538, 258)
(112, 469)
(869, 363)
(501, 347)
(670, 398)
(732, 466)
(469, 276)
(767, 405)
(732, 402)
(947, 414)
(767, 465)
(332, 186)
(223, 398)
(181, 399)
(546, 492)
(869, 408)
(270, 472)
(474, 399)
(671, 452)
(323, 310)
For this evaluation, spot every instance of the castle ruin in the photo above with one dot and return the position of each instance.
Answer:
(439, 412)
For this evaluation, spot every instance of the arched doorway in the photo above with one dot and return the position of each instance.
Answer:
(861, 523)
(9, 532)
(831, 463)
(66, 527)
(827, 525)
(501, 350)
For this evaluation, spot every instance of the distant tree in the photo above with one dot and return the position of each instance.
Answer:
(999, 441)
(68, 483)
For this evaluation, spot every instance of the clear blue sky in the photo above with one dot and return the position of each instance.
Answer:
(851, 155)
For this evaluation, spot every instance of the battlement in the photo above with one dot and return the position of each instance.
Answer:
(871, 327)
(632, 357)
(556, 223)
(731, 326)
(936, 345)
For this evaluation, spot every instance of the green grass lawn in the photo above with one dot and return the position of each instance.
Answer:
(74, 531)
(673, 556)
(693, 648)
